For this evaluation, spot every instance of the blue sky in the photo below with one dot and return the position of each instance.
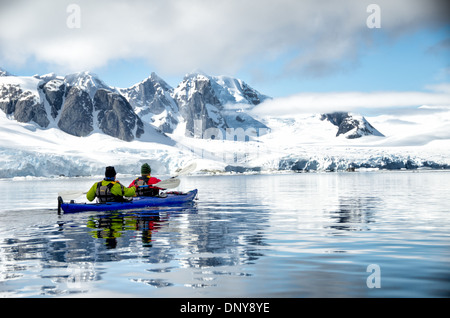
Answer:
(406, 64)
(280, 48)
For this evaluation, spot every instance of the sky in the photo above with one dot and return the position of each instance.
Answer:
(310, 51)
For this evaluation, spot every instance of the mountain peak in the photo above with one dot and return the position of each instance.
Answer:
(197, 75)
(156, 80)
(155, 76)
(83, 76)
(87, 81)
(4, 72)
(227, 89)
(351, 125)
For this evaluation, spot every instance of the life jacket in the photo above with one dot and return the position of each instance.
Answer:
(103, 193)
(147, 191)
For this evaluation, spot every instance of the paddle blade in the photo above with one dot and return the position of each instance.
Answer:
(70, 195)
(168, 184)
(188, 169)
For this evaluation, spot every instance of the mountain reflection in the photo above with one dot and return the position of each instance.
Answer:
(354, 213)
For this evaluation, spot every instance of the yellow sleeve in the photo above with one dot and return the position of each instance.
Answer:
(91, 193)
(127, 192)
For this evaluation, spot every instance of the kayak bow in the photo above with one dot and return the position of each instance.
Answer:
(172, 198)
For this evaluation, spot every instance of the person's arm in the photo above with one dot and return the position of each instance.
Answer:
(91, 193)
(127, 192)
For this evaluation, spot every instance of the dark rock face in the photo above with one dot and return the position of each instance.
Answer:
(116, 116)
(153, 97)
(350, 125)
(69, 102)
(76, 117)
(86, 94)
(251, 95)
(201, 106)
(28, 110)
(23, 105)
(201, 100)
(152, 92)
(54, 93)
(335, 118)
(10, 95)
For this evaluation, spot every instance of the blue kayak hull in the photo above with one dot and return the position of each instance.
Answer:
(135, 203)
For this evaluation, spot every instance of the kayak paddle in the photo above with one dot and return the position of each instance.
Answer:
(70, 195)
(188, 169)
(173, 182)
(165, 184)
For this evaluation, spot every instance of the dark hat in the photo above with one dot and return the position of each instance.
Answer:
(145, 169)
(110, 172)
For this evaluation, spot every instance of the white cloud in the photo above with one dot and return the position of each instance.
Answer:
(216, 36)
(440, 88)
(353, 101)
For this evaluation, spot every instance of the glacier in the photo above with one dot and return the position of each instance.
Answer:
(28, 151)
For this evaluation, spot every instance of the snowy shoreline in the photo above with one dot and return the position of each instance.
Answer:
(50, 153)
(233, 171)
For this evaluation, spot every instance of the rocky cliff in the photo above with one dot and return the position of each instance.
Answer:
(351, 125)
(78, 104)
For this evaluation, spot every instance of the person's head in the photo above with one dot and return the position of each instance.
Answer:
(110, 173)
(145, 169)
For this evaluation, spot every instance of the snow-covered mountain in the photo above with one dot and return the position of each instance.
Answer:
(4, 72)
(200, 105)
(81, 103)
(208, 102)
(78, 104)
(77, 124)
(199, 98)
(351, 125)
(152, 101)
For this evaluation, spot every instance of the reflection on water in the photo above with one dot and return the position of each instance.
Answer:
(301, 235)
(355, 214)
(110, 227)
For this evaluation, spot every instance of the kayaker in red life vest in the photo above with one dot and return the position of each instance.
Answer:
(145, 180)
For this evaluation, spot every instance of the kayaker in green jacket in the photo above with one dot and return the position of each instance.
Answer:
(110, 190)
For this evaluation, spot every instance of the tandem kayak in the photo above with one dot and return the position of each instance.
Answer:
(172, 198)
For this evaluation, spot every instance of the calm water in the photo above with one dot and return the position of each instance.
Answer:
(364, 234)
